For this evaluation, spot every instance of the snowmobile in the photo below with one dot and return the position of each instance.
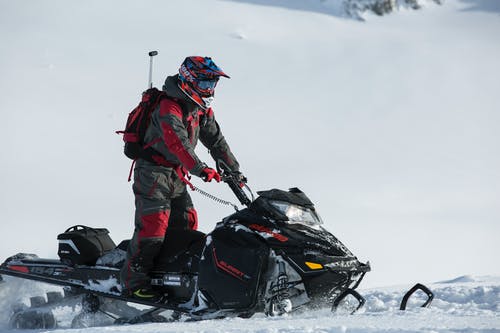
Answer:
(274, 256)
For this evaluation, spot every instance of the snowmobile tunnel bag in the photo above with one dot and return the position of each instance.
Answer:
(82, 245)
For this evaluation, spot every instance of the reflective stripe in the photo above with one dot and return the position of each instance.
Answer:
(70, 243)
(139, 294)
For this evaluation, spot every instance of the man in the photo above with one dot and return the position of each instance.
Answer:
(161, 197)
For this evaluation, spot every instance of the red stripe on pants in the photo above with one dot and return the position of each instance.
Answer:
(192, 216)
(154, 225)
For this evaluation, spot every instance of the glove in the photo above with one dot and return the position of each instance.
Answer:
(238, 176)
(207, 174)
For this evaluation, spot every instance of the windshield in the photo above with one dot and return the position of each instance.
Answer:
(298, 214)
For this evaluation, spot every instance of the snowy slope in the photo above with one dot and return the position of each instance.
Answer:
(465, 304)
(390, 126)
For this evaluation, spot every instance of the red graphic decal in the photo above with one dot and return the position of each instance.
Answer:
(268, 231)
(233, 271)
(22, 269)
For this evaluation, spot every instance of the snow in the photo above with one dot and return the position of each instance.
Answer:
(390, 126)
(461, 306)
(105, 286)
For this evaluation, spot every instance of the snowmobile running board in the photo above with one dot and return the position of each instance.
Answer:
(12, 270)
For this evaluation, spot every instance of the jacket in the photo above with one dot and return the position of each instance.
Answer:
(177, 124)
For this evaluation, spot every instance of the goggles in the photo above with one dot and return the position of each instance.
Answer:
(207, 85)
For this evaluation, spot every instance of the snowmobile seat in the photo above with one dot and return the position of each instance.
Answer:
(178, 244)
(116, 257)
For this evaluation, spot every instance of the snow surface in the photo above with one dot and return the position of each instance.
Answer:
(466, 304)
(389, 125)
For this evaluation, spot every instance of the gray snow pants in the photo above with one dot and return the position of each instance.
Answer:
(161, 202)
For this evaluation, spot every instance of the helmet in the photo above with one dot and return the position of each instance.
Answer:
(198, 77)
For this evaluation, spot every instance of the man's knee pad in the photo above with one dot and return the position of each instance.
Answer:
(154, 225)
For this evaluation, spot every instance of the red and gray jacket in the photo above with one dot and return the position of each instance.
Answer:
(177, 124)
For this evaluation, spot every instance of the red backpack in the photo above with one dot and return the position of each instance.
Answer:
(137, 123)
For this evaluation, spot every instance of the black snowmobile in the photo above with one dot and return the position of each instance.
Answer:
(274, 256)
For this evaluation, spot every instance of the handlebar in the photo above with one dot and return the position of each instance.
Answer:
(234, 185)
(229, 178)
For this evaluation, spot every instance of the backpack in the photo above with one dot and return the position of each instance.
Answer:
(137, 123)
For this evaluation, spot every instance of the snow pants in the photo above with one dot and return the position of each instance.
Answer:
(161, 203)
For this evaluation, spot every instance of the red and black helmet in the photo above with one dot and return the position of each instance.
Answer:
(198, 77)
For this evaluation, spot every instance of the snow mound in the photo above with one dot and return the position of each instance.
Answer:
(464, 295)
(460, 279)
(471, 279)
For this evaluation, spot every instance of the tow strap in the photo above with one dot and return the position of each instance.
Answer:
(183, 176)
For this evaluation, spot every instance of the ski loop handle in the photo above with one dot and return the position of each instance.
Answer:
(418, 286)
(361, 300)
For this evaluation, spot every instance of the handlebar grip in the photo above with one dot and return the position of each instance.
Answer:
(238, 191)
